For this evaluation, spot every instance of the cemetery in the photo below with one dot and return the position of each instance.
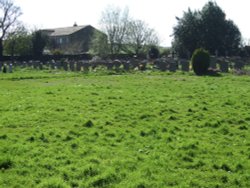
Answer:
(82, 107)
(221, 64)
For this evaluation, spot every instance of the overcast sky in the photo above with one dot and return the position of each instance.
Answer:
(159, 14)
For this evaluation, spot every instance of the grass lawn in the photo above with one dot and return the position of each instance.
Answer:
(61, 129)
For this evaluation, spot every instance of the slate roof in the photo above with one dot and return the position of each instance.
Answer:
(66, 30)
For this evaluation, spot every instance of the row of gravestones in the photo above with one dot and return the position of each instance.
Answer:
(162, 64)
(6, 67)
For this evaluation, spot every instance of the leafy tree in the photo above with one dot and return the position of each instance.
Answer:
(39, 41)
(99, 44)
(18, 42)
(9, 14)
(153, 52)
(114, 22)
(207, 28)
(186, 33)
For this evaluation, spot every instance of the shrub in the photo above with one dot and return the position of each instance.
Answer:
(57, 52)
(200, 61)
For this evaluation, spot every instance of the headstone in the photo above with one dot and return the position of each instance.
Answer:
(58, 64)
(117, 63)
(134, 63)
(213, 62)
(184, 65)
(4, 68)
(52, 64)
(172, 66)
(86, 66)
(126, 65)
(65, 65)
(10, 67)
(161, 64)
(24, 64)
(238, 64)
(30, 63)
(40, 65)
(35, 64)
(143, 65)
(78, 66)
(72, 65)
(224, 64)
(110, 65)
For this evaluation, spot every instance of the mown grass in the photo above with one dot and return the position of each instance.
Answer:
(148, 129)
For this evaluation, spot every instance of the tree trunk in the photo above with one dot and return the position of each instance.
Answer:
(1, 48)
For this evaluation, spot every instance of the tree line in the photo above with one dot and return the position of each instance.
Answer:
(207, 28)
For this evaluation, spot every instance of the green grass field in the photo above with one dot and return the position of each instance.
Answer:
(139, 130)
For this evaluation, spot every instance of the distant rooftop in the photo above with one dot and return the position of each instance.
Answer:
(65, 30)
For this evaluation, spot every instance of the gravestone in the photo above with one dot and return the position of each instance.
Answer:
(10, 67)
(117, 63)
(184, 65)
(238, 64)
(40, 65)
(78, 66)
(86, 66)
(213, 62)
(224, 64)
(58, 65)
(72, 65)
(4, 68)
(134, 63)
(172, 65)
(126, 65)
(24, 64)
(52, 64)
(30, 63)
(161, 64)
(143, 65)
(65, 65)
(109, 65)
(35, 64)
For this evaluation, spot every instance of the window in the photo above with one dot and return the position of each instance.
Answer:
(60, 40)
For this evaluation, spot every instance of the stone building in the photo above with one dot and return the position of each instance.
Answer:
(71, 40)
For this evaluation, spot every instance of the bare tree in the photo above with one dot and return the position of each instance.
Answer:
(114, 22)
(9, 14)
(139, 36)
